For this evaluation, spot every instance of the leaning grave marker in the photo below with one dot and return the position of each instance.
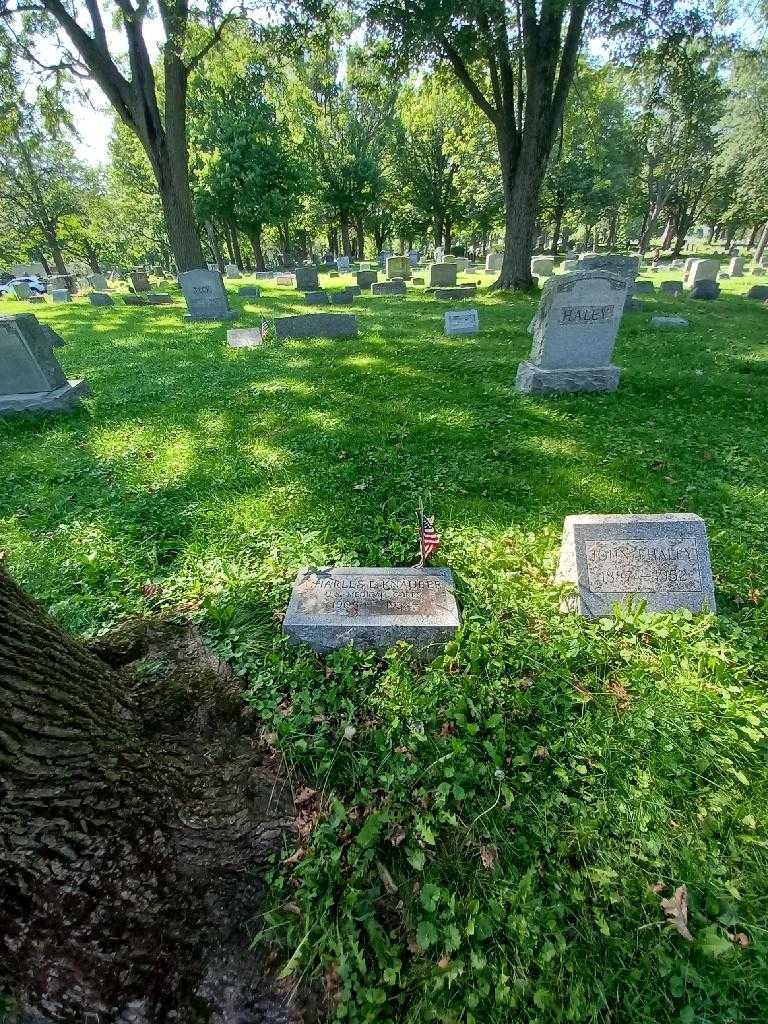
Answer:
(574, 333)
(373, 609)
(31, 379)
(660, 559)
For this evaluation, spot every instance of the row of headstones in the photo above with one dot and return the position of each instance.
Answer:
(607, 560)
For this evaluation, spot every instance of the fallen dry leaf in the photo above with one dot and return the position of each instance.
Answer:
(444, 962)
(332, 982)
(676, 911)
(292, 908)
(304, 796)
(657, 887)
(738, 939)
(489, 857)
(295, 857)
(386, 878)
(447, 729)
(397, 835)
(541, 752)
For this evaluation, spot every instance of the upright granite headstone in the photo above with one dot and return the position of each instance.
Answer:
(205, 295)
(317, 325)
(22, 290)
(61, 295)
(758, 291)
(365, 278)
(59, 282)
(493, 262)
(542, 266)
(461, 321)
(660, 559)
(31, 379)
(286, 280)
(383, 257)
(644, 288)
(307, 279)
(705, 290)
(441, 275)
(574, 332)
(101, 299)
(231, 270)
(98, 282)
(413, 258)
(701, 270)
(736, 266)
(140, 281)
(372, 609)
(249, 291)
(398, 266)
(674, 288)
(625, 266)
(342, 264)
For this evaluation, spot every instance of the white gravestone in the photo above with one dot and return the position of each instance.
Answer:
(542, 266)
(662, 560)
(462, 321)
(373, 609)
(574, 332)
(701, 270)
(205, 295)
(493, 262)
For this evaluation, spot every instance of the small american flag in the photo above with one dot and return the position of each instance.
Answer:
(429, 538)
(264, 329)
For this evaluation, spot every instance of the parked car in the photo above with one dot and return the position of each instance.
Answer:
(35, 284)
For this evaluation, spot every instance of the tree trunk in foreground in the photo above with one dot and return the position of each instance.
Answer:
(132, 816)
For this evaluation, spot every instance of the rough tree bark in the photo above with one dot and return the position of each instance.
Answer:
(132, 815)
(254, 237)
(346, 249)
(213, 241)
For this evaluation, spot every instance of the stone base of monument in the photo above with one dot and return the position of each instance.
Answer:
(661, 560)
(61, 400)
(372, 609)
(536, 380)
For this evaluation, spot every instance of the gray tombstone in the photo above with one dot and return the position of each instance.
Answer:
(701, 270)
(22, 290)
(101, 299)
(140, 281)
(389, 288)
(345, 297)
(542, 266)
(232, 271)
(758, 272)
(668, 321)
(365, 278)
(246, 337)
(705, 290)
(205, 295)
(662, 560)
(625, 266)
(383, 257)
(568, 266)
(307, 279)
(574, 332)
(461, 321)
(644, 288)
(398, 266)
(249, 291)
(62, 281)
(98, 282)
(135, 300)
(413, 258)
(465, 291)
(674, 288)
(372, 609)
(317, 325)
(319, 298)
(31, 379)
(736, 266)
(342, 264)
(493, 262)
(441, 275)
(159, 298)
(286, 280)
(758, 291)
(61, 295)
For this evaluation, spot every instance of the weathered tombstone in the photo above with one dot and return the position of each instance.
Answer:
(59, 281)
(383, 257)
(417, 280)
(461, 264)
(140, 281)
(319, 298)
(644, 288)
(342, 264)
(723, 275)
(286, 280)
(701, 270)
(672, 287)
(333, 273)
(61, 295)
(98, 282)
(22, 290)
(372, 609)
(249, 291)
(160, 298)
(736, 266)
(662, 560)
(493, 262)
(542, 266)
(101, 299)
(574, 332)
(398, 266)
(205, 295)
(625, 266)
(247, 337)
(687, 267)
(758, 291)
(705, 290)
(441, 275)
(365, 278)
(758, 272)
(232, 271)
(36, 298)
(307, 279)
(317, 325)
(31, 379)
(389, 288)
(465, 291)
(461, 321)
(413, 258)
(568, 266)
(668, 321)
(135, 300)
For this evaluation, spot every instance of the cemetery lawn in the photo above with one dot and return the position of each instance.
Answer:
(488, 839)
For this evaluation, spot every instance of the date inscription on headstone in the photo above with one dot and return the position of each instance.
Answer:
(643, 568)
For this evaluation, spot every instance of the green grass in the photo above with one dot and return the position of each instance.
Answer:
(583, 763)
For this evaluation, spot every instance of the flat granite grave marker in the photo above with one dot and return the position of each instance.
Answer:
(373, 609)
(61, 295)
(31, 379)
(205, 295)
(758, 291)
(135, 300)
(249, 291)
(159, 299)
(464, 291)
(286, 280)
(247, 337)
(706, 289)
(319, 298)
(574, 332)
(317, 325)
(660, 559)
(389, 288)
(461, 321)
(668, 321)
(672, 287)
(101, 299)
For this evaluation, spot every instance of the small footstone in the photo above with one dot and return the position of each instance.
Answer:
(316, 298)
(662, 560)
(644, 287)
(668, 321)
(343, 298)
(672, 287)
(373, 609)
(245, 337)
(249, 291)
(389, 288)
(758, 291)
(135, 300)
(60, 295)
(463, 292)
(317, 325)
(159, 299)
(461, 322)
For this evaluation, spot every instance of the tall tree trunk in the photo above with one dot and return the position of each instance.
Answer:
(254, 237)
(360, 232)
(437, 230)
(558, 223)
(346, 249)
(125, 848)
(710, 233)
(228, 241)
(92, 257)
(753, 235)
(52, 239)
(213, 241)
(730, 234)
(522, 174)
(178, 213)
(762, 243)
(668, 235)
(236, 247)
(448, 233)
